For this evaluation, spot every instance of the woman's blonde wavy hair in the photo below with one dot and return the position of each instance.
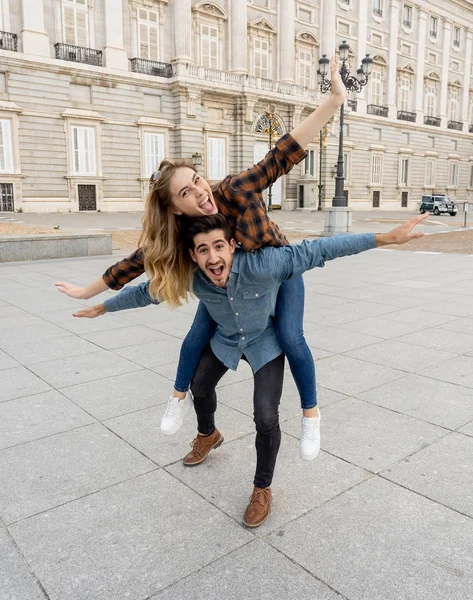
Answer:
(166, 258)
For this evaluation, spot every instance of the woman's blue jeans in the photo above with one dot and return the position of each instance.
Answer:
(289, 328)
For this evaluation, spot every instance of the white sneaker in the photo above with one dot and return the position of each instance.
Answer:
(175, 413)
(309, 444)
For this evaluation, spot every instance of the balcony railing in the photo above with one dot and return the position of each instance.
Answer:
(433, 34)
(151, 67)
(470, 129)
(435, 121)
(404, 115)
(458, 125)
(407, 23)
(353, 104)
(8, 41)
(379, 111)
(378, 12)
(88, 56)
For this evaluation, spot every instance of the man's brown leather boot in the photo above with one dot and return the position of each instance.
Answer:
(259, 507)
(201, 446)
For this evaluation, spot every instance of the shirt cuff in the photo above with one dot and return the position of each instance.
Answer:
(291, 149)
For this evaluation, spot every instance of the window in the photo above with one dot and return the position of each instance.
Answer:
(309, 163)
(378, 8)
(6, 150)
(407, 16)
(304, 68)
(430, 168)
(453, 174)
(216, 158)
(431, 100)
(209, 46)
(453, 104)
(434, 26)
(347, 2)
(83, 150)
(376, 166)
(471, 176)
(148, 34)
(74, 21)
(376, 86)
(404, 93)
(404, 169)
(456, 37)
(261, 58)
(154, 151)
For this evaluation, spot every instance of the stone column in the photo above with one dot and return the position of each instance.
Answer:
(239, 44)
(362, 35)
(329, 28)
(115, 53)
(447, 40)
(182, 28)
(286, 40)
(419, 91)
(35, 38)
(466, 81)
(392, 75)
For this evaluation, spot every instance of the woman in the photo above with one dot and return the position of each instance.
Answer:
(178, 192)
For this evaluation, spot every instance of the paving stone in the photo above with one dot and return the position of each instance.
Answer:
(402, 356)
(141, 429)
(121, 394)
(379, 540)
(254, 571)
(467, 429)
(420, 316)
(47, 349)
(442, 472)
(458, 371)
(16, 580)
(382, 327)
(153, 354)
(350, 376)
(19, 382)
(178, 326)
(440, 339)
(338, 340)
(7, 310)
(108, 548)
(464, 325)
(226, 479)
(424, 398)
(124, 336)
(31, 333)
(7, 362)
(38, 416)
(63, 318)
(456, 309)
(45, 473)
(369, 436)
(80, 369)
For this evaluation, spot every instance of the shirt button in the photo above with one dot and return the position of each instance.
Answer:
(256, 295)
(237, 314)
(231, 298)
(242, 337)
(241, 329)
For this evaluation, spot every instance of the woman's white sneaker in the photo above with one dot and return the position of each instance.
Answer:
(175, 414)
(309, 444)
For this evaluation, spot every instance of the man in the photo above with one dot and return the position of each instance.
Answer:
(239, 290)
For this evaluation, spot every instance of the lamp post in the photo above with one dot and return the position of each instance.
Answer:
(270, 128)
(352, 84)
(322, 145)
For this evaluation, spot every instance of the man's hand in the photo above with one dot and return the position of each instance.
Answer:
(73, 291)
(338, 90)
(403, 233)
(91, 312)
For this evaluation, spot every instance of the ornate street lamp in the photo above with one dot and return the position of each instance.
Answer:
(353, 84)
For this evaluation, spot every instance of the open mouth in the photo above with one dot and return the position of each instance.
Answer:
(206, 204)
(217, 272)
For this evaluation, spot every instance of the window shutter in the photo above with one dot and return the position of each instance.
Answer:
(83, 148)
(69, 25)
(217, 158)
(6, 149)
(154, 151)
(81, 28)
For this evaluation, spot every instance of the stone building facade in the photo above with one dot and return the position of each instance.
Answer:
(93, 93)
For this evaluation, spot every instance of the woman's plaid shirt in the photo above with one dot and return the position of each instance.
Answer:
(239, 198)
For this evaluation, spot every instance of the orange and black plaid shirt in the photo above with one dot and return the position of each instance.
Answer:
(239, 198)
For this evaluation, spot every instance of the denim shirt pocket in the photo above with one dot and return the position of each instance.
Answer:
(257, 300)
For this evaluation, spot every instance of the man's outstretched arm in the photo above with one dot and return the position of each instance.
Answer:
(135, 296)
(294, 260)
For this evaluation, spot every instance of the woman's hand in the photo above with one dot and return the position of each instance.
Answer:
(338, 89)
(73, 291)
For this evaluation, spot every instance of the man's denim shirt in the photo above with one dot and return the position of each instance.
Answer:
(244, 308)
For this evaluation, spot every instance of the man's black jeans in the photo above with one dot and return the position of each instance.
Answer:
(268, 383)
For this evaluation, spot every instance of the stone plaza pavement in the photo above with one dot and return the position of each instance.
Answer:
(95, 503)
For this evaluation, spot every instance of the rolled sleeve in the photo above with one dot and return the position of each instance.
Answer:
(125, 270)
(135, 296)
